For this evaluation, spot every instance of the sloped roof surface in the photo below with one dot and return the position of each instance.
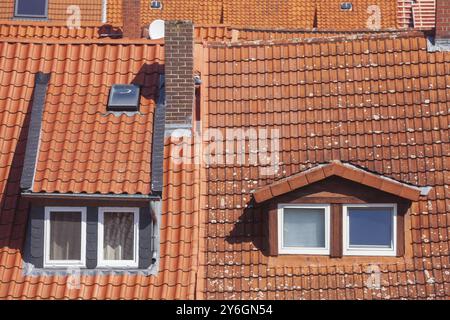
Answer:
(379, 103)
(265, 13)
(73, 66)
(178, 247)
(336, 168)
(287, 14)
(45, 30)
(84, 148)
(91, 11)
(365, 14)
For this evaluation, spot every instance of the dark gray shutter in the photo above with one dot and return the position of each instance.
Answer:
(145, 238)
(34, 244)
(91, 237)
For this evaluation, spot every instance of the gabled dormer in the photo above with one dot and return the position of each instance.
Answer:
(337, 210)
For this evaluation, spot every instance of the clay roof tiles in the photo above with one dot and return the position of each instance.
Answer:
(285, 14)
(75, 120)
(198, 11)
(336, 168)
(45, 30)
(83, 148)
(91, 11)
(377, 102)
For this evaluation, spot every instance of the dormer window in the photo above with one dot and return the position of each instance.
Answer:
(36, 9)
(370, 229)
(336, 210)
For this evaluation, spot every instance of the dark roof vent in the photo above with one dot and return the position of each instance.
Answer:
(155, 4)
(346, 6)
(124, 97)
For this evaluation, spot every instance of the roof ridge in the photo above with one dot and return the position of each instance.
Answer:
(313, 40)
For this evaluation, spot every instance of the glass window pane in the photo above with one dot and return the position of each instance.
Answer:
(304, 227)
(31, 7)
(118, 236)
(370, 226)
(65, 236)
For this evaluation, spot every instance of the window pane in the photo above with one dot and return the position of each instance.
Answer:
(31, 7)
(304, 227)
(118, 236)
(65, 236)
(370, 226)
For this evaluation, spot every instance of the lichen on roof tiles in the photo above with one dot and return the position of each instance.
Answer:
(362, 100)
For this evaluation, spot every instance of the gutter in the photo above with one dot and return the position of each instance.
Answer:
(75, 196)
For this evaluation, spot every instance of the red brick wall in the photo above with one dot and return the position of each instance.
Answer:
(179, 66)
(131, 20)
(443, 19)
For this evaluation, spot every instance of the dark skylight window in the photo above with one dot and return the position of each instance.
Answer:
(31, 8)
(124, 97)
(346, 6)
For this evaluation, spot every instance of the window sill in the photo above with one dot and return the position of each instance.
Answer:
(304, 260)
(29, 18)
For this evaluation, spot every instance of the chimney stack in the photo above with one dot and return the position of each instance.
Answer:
(179, 74)
(131, 19)
(442, 37)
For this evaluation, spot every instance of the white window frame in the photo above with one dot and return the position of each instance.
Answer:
(64, 263)
(18, 15)
(117, 263)
(303, 250)
(368, 250)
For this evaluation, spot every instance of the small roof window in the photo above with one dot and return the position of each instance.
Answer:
(346, 6)
(31, 8)
(155, 4)
(124, 97)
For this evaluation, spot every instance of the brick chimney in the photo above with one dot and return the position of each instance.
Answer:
(131, 19)
(179, 74)
(442, 22)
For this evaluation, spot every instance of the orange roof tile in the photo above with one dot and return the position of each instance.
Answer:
(275, 14)
(91, 11)
(114, 13)
(179, 237)
(380, 102)
(82, 147)
(46, 30)
(286, 14)
(198, 11)
(74, 66)
(365, 14)
(336, 168)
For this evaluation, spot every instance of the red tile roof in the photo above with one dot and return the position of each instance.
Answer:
(82, 147)
(380, 103)
(364, 15)
(45, 30)
(106, 145)
(91, 11)
(179, 242)
(286, 14)
(276, 14)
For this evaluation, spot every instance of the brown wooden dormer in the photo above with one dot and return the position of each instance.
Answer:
(356, 213)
